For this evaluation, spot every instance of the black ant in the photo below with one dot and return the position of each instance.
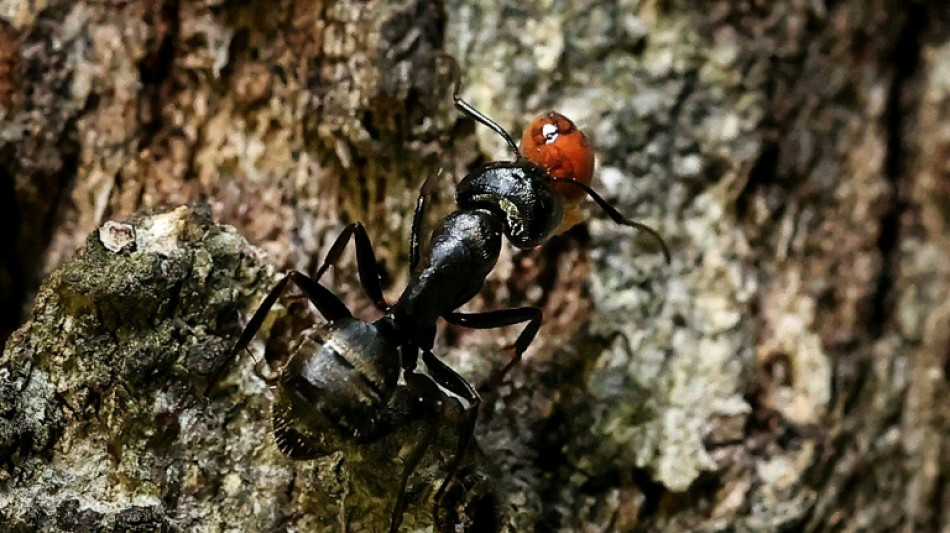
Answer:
(340, 383)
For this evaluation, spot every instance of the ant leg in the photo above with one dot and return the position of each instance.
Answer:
(417, 219)
(451, 380)
(503, 317)
(365, 262)
(616, 216)
(424, 389)
(326, 302)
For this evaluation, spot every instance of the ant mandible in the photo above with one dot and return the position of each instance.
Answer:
(341, 381)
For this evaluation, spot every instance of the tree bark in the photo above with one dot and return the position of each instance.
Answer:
(782, 374)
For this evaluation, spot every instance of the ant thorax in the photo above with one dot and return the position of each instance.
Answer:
(522, 193)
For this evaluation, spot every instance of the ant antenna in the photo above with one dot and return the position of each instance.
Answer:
(475, 114)
(617, 217)
(478, 116)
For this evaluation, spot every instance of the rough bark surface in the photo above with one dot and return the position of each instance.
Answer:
(784, 373)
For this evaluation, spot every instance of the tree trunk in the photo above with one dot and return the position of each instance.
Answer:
(783, 373)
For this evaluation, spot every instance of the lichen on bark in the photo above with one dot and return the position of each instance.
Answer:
(115, 337)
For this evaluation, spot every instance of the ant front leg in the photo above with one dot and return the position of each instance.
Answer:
(365, 262)
(500, 318)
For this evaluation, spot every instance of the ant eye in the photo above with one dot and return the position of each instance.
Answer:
(550, 133)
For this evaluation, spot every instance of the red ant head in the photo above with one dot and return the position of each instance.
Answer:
(556, 144)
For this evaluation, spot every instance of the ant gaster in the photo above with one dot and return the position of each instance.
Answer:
(340, 383)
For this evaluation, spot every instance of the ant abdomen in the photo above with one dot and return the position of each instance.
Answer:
(337, 384)
(521, 193)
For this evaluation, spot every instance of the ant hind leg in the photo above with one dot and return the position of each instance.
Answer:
(428, 393)
(326, 302)
(451, 380)
(365, 262)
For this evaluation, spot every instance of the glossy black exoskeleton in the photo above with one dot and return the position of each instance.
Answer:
(518, 194)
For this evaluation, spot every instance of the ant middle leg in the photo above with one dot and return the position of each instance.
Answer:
(325, 301)
(365, 262)
(500, 318)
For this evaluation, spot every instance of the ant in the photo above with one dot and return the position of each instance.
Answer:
(340, 383)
